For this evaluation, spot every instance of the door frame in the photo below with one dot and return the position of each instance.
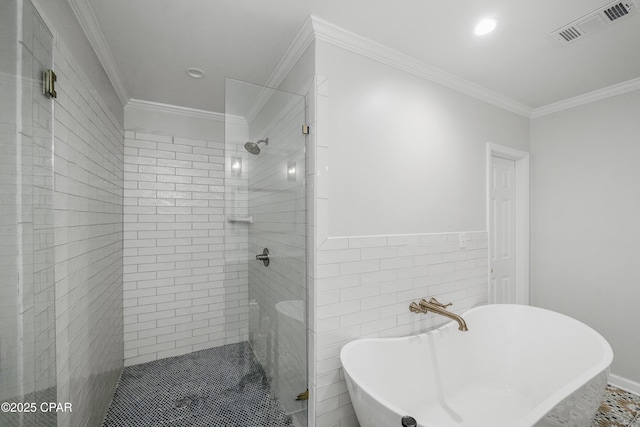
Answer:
(521, 159)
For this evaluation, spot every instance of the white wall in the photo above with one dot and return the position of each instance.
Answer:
(585, 220)
(88, 169)
(162, 119)
(406, 155)
(400, 162)
(59, 15)
(175, 297)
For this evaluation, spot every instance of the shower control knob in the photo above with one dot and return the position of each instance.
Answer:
(264, 257)
(408, 421)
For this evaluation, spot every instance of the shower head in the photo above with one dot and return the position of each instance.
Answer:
(253, 147)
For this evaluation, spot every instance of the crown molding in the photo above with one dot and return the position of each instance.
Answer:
(596, 95)
(89, 23)
(340, 37)
(157, 107)
(296, 49)
(315, 28)
(319, 29)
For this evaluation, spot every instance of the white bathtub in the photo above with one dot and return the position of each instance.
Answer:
(517, 366)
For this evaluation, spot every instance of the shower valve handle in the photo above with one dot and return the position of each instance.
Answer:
(264, 257)
(439, 304)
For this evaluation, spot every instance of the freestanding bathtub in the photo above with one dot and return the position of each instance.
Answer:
(517, 366)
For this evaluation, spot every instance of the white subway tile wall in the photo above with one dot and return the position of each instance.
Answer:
(175, 299)
(27, 341)
(363, 289)
(237, 233)
(316, 167)
(362, 286)
(37, 219)
(10, 339)
(278, 293)
(88, 168)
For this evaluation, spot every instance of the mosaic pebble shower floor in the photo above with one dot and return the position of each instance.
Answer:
(221, 387)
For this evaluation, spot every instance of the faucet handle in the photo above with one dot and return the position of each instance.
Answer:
(438, 303)
(415, 308)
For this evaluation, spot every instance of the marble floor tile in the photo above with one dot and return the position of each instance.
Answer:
(619, 408)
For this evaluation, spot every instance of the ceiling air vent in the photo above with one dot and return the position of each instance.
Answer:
(617, 11)
(570, 33)
(595, 20)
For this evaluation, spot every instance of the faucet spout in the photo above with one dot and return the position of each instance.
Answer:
(435, 306)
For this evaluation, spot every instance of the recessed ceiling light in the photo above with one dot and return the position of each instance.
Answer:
(196, 73)
(486, 26)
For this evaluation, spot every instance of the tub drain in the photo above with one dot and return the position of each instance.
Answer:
(185, 402)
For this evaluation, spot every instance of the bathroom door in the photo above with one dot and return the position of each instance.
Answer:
(502, 232)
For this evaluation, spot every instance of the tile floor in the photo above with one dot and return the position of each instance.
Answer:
(226, 387)
(618, 409)
(221, 387)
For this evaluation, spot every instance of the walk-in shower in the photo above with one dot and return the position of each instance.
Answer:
(253, 147)
(266, 209)
(140, 256)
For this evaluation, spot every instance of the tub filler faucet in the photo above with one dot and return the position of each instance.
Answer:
(437, 307)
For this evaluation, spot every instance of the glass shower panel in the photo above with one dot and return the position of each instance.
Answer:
(27, 317)
(265, 209)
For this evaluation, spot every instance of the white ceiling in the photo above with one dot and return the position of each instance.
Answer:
(153, 42)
